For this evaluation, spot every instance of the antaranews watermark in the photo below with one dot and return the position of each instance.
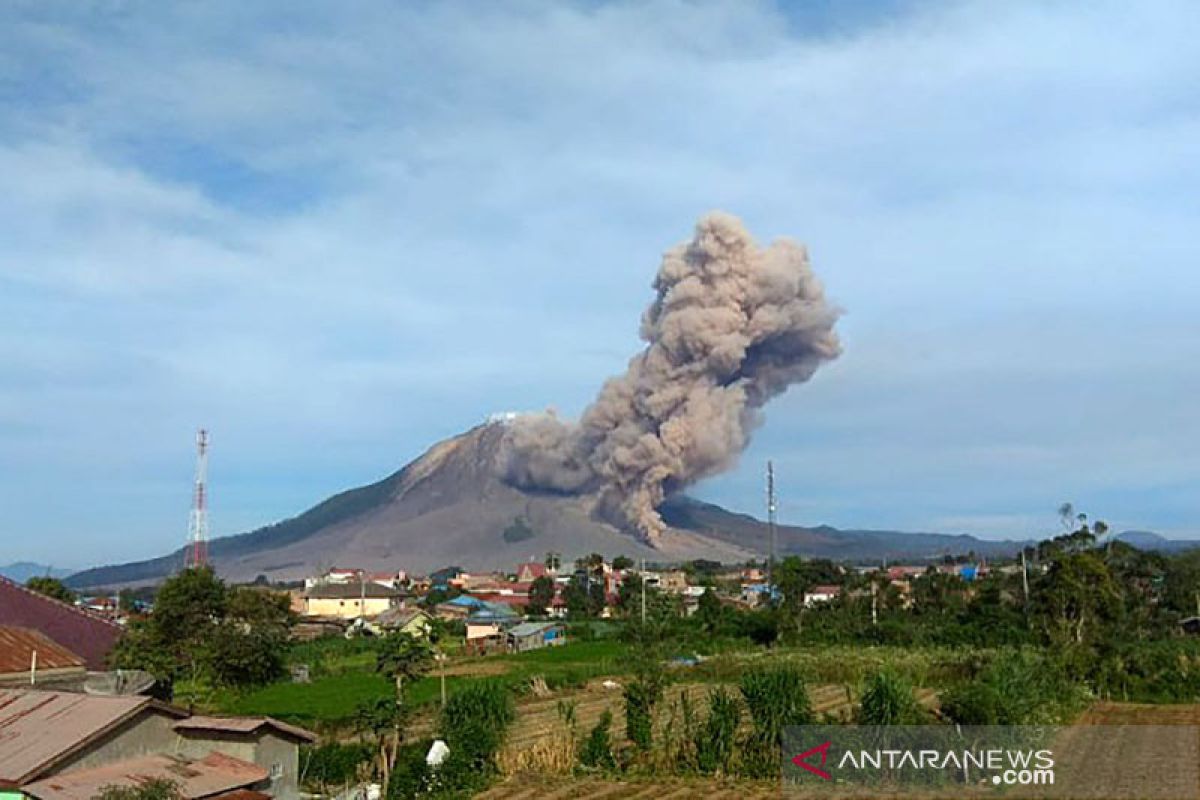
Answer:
(1142, 762)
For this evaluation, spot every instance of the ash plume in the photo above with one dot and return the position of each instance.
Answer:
(731, 326)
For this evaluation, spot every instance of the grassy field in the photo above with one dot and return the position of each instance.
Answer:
(344, 678)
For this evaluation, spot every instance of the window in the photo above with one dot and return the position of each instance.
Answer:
(276, 771)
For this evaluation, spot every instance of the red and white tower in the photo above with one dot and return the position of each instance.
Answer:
(197, 552)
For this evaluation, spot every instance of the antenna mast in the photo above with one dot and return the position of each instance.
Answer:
(770, 525)
(197, 553)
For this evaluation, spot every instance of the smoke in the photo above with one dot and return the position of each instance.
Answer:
(732, 325)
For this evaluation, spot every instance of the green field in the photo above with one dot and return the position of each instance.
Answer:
(344, 678)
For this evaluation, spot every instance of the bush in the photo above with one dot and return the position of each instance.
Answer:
(1018, 687)
(475, 722)
(596, 750)
(715, 739)
(776, 698)
(333, 763)
(888, 700)
(641, 696)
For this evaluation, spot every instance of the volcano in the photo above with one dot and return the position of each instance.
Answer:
(451, 506)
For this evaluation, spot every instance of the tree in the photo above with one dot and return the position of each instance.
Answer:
(51, 587)
(709, 611)
(1077, 597)
(622, 562)
(541, 595)
(381, 723)
(201, 629)
(403, 658)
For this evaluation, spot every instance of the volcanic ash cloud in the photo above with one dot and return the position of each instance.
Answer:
(731, 326)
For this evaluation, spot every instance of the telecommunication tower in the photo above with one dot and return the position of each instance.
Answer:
(770, 524)
(197, 552)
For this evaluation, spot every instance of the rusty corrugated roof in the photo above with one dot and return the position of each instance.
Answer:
(17, 646)
(38, 729)
(77, 630)
(242, 725)
(214, 774)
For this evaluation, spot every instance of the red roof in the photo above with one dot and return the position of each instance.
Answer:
(535, 569)
(213, 774)
(40, 729)
(247, 725)
(81, 632)
(17, 646)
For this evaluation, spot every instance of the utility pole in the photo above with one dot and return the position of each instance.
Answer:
(642, 577)
(362, 595)
(770, 528)
(1025, 578)
(197, 555)
(874, 603)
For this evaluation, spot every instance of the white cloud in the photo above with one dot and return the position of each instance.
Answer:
(334, 236)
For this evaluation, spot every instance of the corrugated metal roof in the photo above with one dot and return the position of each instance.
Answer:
(242, 725)
(80, 632)
(213, 774)
(38, 728)
(17, 646)
(532, 628)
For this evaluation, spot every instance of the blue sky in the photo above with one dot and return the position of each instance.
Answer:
(335, 235)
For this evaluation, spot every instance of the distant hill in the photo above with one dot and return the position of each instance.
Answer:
(449, 507)
(22, 571)
(1148, 540)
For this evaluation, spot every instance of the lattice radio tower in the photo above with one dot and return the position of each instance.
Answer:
(770, 525)
(197, 551)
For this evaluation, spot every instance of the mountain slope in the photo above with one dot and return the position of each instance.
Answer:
(449, 507)
(21, 571)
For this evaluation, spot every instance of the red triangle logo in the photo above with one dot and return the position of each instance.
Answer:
(822, 750)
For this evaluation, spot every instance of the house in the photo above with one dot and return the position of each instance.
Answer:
(49, 733)
(412, 621)
(531, 571)
(214, 776)
(63, 746)
(821, 594)
(87, 635)
(265, 742)
(458, 608)
(487, 624)
(535, 635)
(28, 658)
(350, 600)
(448, 578)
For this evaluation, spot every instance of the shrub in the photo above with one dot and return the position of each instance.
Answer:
(776, 698)
(333, 763)
(715, 739)
(888, 700)
(1018, 687)
(596, 750)
(475, 722)
(641, 696)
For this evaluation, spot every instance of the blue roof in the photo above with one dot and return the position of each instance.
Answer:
(465, 601)
(493, 611)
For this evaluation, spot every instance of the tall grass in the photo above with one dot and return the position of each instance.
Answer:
(776, 697)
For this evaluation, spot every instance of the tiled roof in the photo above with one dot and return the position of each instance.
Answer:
(85, 634)
(17, 646)
(38, 729)
(195, 778)
(243, 725)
